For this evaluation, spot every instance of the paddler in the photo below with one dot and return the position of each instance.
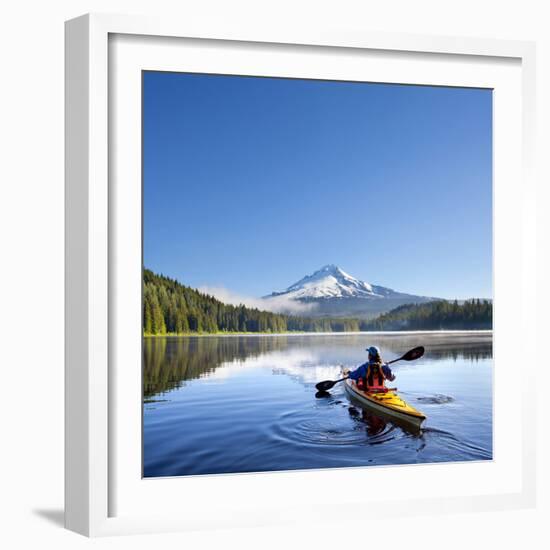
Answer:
(372, 374)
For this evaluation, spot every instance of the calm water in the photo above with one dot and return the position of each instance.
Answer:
(248, 404)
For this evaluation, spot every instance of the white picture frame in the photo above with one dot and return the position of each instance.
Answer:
(99, 499)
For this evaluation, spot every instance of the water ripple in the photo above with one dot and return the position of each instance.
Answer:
(436, 399)
(464, 450)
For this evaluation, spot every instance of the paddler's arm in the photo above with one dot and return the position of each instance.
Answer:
(388, 372)
(359, 372)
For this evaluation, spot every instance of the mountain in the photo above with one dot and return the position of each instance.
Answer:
(333, 292)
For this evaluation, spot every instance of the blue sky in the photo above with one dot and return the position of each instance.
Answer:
(252, 183)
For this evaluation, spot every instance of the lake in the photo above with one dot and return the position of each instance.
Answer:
(226, 404)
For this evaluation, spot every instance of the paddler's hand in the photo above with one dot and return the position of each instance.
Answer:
(388, 372)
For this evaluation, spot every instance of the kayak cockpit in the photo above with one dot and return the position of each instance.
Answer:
(387, 403)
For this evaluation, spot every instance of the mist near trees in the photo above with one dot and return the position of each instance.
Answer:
(172, 308)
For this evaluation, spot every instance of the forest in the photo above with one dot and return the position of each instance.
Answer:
(437, 315)
(172, 308)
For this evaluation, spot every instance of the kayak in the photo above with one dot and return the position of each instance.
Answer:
(388, 403)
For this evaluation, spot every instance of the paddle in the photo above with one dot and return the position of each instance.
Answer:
(411, 355)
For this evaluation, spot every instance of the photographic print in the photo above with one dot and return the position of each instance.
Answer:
(317, 274)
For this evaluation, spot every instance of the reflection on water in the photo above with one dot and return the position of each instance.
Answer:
(169, 361)
(375, 425)
(248, 403)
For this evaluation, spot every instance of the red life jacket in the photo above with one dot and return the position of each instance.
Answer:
(375, 377)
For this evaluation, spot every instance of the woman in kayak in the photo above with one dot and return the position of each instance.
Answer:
(372, 374)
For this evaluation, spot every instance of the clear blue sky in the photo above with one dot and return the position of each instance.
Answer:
(252, 183)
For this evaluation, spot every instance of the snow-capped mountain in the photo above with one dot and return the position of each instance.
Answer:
(335, 292)
(332, 282)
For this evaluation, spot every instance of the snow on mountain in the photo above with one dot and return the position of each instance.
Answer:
(330, 291)
(332, 282)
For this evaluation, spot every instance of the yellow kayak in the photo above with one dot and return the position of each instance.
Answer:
(388, 403)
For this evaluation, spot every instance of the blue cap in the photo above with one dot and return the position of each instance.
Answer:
(373, 350)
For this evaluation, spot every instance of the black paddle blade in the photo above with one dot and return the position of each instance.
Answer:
(413, 354)
(325, 385)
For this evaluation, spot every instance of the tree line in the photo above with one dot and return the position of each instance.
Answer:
(172, 308)
(437, 315)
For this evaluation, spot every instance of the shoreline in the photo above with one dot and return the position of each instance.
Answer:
(474, 332)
